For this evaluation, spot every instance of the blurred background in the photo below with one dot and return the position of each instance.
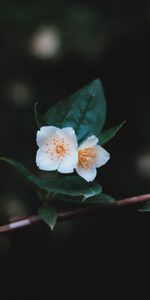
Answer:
(49, 49)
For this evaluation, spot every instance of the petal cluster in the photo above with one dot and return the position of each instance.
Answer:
(58, 150)
(90, 157)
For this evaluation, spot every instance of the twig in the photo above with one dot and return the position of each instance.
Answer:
(71, 214)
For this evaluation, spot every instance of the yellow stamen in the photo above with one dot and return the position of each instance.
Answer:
(86, 157)
(60, 150)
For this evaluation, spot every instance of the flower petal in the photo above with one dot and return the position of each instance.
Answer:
(69, 135)
(44, 134)
(89, 142)
(102, 156)
(44, 162)
(68, 162)
(87, 174)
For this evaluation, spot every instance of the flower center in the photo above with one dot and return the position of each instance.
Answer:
(86, 158)
(57, 148)
(60, 150)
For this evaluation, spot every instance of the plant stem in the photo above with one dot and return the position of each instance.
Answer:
(20, 223)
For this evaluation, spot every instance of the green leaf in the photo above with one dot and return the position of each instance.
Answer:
(39, 120)
(71, 185)
(107, 135)
(67, 185)
(21, 170)
(29, 178)
(85, 111)
(48, 215)
(100, 199)
(145, 208)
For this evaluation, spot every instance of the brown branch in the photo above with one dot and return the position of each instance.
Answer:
(20, 223)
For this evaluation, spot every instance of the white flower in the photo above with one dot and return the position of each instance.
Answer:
(58, 149)
(90, 157)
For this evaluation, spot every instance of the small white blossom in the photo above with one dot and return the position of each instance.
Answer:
(90, 157)
(58, 149)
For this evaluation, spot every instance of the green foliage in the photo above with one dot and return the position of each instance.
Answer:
(107, 135)
(145, 208)
(71, 185)
(49, 215)
(23, 172)
(39, 120)
(85, 111)
(67, 185)
(100, 199)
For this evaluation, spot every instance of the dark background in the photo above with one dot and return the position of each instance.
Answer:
(49, 49)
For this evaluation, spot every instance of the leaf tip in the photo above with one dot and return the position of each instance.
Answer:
(48, 215)
(35, 105)
(97, 81)
(84, 198)
(121, 125)
(52, 226)
(123, 122)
